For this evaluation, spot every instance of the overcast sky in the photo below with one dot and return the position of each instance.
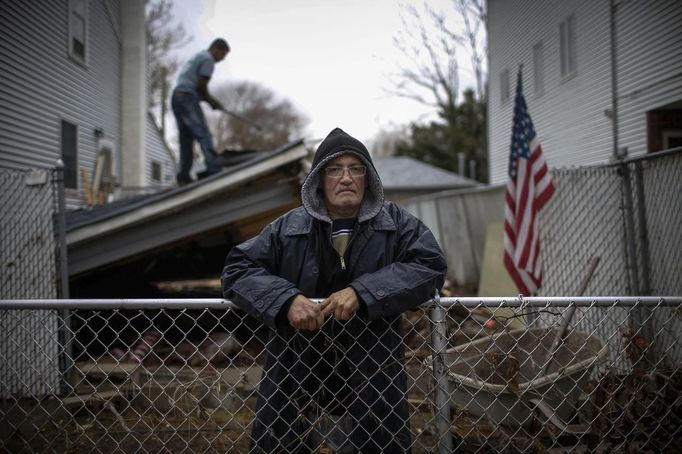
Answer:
(331, 58)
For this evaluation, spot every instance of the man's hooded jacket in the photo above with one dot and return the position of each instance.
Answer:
(394, 264)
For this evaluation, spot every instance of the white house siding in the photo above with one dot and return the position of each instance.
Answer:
(569, 117)
(40, 85)
(569, 114)
(649, 37)
(157, 150)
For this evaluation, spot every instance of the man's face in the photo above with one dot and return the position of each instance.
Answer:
(219, 54)
(343, 194)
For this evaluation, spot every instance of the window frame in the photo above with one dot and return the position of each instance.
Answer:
(668, 135)
(74, 17)
(156, 165)
(568, 67)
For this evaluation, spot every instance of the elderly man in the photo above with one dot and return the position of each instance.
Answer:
(341, 359)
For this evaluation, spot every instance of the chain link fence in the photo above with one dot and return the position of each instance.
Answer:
(184, 375)
(30, 259)
(628, 216)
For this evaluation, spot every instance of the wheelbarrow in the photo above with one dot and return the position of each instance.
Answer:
(505, 378)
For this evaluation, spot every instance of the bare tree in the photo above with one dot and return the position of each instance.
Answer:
(475, 18)
(430, 74)
(164, 34)
(280, 121)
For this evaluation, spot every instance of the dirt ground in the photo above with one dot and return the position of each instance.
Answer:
(173, 432)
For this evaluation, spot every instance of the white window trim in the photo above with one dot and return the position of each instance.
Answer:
(151, 173)
(75, 57)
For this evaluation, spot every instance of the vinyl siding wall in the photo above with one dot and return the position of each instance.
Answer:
(569, 116)
(649, 37)
(41, 85)
(156, 146)
(158, 151)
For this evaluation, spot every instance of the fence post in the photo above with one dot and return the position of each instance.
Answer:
(64, 335)
(440, 376)
(644, 313)
(630, 229)
(641, 316)
(643, 233)
(61, 231)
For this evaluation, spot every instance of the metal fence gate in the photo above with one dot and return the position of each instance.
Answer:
(184, 376)
(31, 260)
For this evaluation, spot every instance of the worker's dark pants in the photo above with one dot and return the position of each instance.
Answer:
(191, 127)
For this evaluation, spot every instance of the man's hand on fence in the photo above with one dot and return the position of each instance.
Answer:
(343, 304)
(304, 314)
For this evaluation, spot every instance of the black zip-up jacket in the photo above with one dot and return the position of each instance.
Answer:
(394, 264)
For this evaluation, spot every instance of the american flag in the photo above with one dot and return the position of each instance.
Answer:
(528, 190)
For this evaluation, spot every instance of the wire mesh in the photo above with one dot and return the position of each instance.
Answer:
(584, 219)
(629, 217)
(29, 270)
(658, 183)
(161, 379)
(662, 217)
(185, 379)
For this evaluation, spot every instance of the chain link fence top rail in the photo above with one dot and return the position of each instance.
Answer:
(184, 375)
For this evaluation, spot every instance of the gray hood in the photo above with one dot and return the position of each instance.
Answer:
(334, 145)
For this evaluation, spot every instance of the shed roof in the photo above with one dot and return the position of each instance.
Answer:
(112, 232)
(78, 219)
(407, 173)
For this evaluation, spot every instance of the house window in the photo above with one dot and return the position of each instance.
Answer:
(70, 154)
(156, 172)
(78, 29)
(538, 69)
(567, 47)
(504, 86)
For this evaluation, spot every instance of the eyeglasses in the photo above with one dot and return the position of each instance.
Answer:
(337, 172)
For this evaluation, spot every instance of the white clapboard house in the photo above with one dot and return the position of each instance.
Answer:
(73, 86)
(602, 78)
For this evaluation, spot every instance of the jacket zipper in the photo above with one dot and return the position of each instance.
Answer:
(341, 258)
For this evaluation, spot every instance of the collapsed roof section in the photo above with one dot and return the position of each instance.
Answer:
(247, 195)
